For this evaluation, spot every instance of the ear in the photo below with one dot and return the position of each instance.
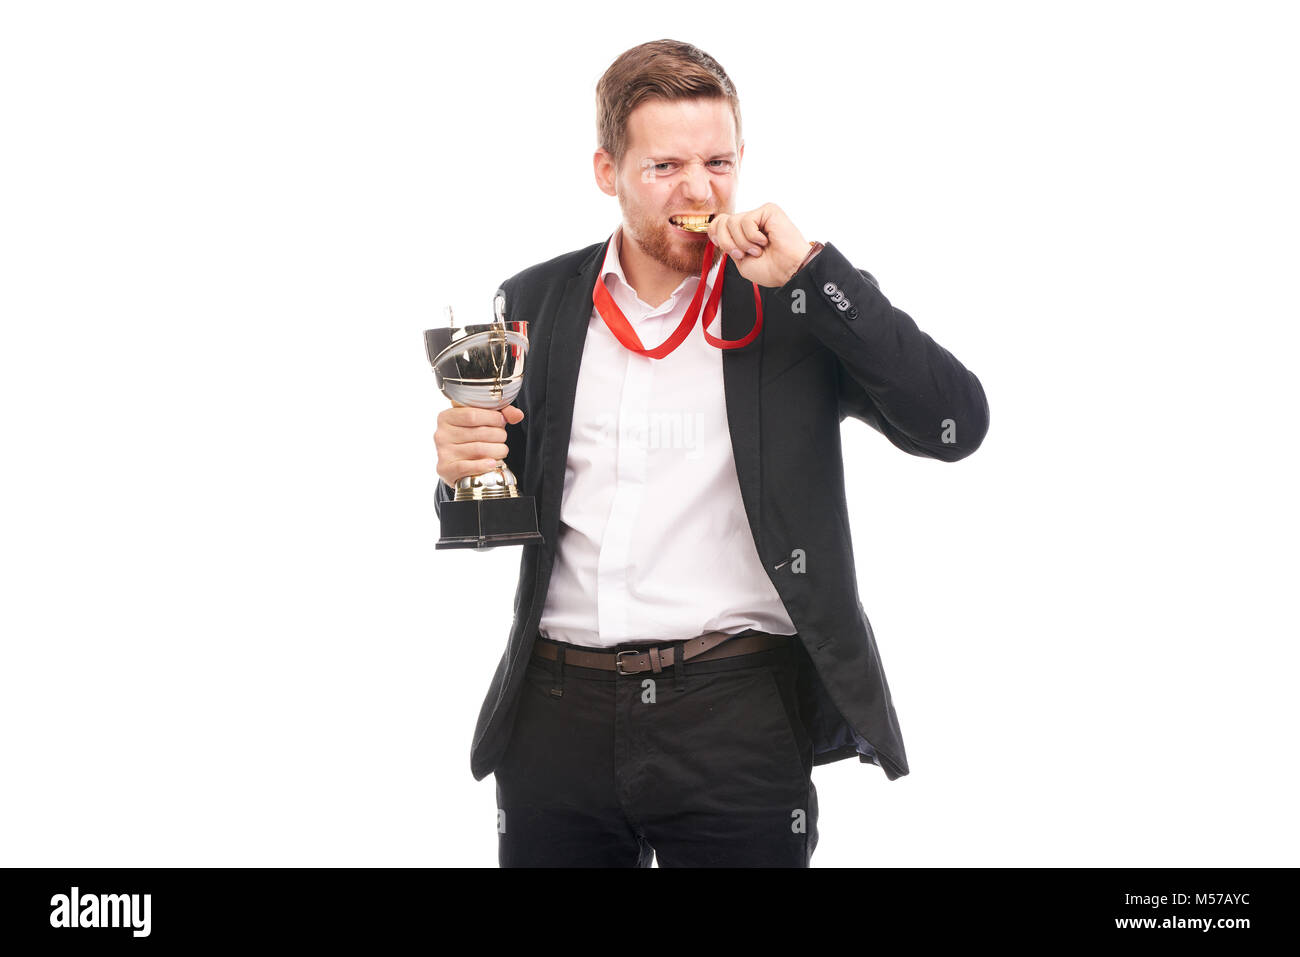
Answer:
(606, 173)
(740, 153)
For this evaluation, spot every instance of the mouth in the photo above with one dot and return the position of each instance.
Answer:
(693, 223)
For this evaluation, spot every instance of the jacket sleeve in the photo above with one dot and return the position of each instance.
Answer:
(515, 449)
(890, 374)
(443, 494)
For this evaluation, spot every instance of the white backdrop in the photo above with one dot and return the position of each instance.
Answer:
(227, 637)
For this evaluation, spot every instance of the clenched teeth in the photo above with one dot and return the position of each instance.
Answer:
(700, 220)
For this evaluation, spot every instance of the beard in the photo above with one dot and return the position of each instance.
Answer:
(662, 242)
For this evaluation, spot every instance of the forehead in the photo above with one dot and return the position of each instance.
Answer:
(682, 127)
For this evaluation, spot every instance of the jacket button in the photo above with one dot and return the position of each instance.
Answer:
(830, 289)
(852, 313)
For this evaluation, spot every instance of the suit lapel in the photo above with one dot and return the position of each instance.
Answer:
(740, 375)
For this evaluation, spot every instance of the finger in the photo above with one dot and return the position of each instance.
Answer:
(514, 415)
(493, 451)
(464, 469)
(755, 238)
(467, 416)
(718, 233)
(461, 414)
(736, 230)
(475, 454)
(455, 435)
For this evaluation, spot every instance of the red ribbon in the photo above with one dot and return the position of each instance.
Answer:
(625, 334)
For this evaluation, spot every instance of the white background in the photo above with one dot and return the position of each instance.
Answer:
(227, 637)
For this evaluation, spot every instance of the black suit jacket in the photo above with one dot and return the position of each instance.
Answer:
(832, 346)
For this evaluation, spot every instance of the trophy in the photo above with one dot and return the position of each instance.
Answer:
(482, 366)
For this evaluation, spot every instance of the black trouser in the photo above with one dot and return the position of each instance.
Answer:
(706, 764)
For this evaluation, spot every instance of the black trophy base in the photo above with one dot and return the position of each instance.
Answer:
(489, 522)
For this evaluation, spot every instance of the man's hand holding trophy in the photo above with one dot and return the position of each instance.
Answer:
(480, 368)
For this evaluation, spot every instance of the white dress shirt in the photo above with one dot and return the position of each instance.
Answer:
(654, 542)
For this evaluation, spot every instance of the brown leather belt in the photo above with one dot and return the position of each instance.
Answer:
(655, 658)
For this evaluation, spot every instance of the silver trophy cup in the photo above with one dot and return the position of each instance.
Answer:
(482, 365)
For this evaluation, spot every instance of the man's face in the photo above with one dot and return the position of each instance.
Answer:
(682, 158)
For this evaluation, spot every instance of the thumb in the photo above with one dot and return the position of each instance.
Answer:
(513, 414)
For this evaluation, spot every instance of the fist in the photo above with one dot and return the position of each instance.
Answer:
(767, 246)
(471, 441)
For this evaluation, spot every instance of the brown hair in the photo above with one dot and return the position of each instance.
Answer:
(660, 69)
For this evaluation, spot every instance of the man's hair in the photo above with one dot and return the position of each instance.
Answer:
(658, 70)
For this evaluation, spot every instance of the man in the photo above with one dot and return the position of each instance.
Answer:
(688, 641)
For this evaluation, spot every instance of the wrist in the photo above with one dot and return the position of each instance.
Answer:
(814, 249)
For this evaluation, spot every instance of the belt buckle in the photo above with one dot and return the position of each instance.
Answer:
(618, 662)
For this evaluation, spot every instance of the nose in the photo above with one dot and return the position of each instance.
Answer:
(695, 187)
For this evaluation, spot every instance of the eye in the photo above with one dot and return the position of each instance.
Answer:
(726, 164)
(662, 167)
